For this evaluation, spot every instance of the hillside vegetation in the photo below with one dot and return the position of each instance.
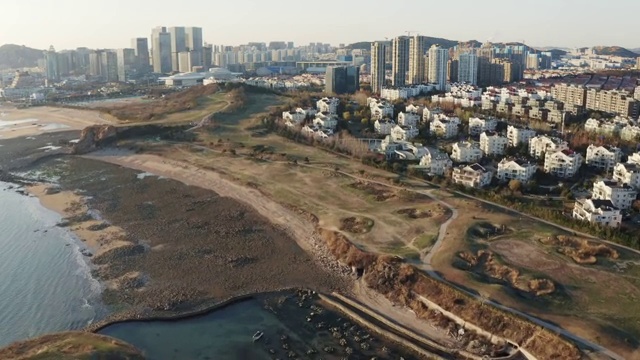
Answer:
(16, 56)
(71, 346)
(615, 51)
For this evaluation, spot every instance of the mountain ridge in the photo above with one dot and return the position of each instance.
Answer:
(14, 56)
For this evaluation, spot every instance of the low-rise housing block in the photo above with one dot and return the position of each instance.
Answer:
(516, 169)
(621, 196)
(563, 164)
(542, 144)
(475, 176)
(492, 143)
(603, 157)
(466, 152)
(601, 212)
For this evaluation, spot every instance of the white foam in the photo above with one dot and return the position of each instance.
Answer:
(54, 126)
(145, 175)
(74, 141)
(50, 148)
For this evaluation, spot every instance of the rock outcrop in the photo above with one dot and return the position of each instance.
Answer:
(94, 137)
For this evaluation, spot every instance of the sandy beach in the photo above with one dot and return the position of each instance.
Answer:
(99, 236)
(34, 121)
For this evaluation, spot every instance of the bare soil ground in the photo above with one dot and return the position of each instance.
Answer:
(41, 119)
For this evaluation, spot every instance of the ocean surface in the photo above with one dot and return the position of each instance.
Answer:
(45, 282)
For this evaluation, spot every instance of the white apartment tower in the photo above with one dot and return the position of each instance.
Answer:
(416, 60)
(378, 50)
(468, 68)
(438, 58)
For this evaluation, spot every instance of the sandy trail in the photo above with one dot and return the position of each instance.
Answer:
(69, 204)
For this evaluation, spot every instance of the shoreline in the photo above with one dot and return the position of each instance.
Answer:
(98, 235)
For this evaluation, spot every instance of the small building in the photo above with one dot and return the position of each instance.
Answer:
(296, 117)
(475, 176)
(634, 158)
(444, 127)
(492, 143)
(626, 173)
(603, 157)
(408, 119)
(479, 125)
(328, 105)
(516, 169)
(466, 152)
(384, 126)
(601, 212)
(542, 144)
(517, 136)
(563, 164)
(326, 121)
(404, 133)
(436, 162)
(621, 195)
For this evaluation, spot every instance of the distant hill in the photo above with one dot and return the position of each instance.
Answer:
(366, 45)
(17, 56)
(636, 50)
(615, 51)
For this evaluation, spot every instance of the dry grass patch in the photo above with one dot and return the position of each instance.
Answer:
(582, 251)
(378, 192)
(356, 224)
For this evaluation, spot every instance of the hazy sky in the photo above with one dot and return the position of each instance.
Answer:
(112, 23)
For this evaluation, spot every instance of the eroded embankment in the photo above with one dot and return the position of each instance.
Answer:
(405, 285)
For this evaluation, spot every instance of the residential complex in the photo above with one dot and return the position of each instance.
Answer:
(516, 169)
(601, 212)
(563, 164)
(621, 196)
(474, 176)
(542, 144)
(628, 174)
(436, 162)
(517, 136)
(479, 125)
(466, 152)
(603, 157)
(492, 143)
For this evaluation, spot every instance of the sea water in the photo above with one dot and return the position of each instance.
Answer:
(45, 282)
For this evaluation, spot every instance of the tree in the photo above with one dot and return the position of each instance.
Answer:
(364, 121)
(346, 115)
(515, 185)
(636, 205)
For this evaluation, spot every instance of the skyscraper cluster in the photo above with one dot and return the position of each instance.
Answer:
(177, 48)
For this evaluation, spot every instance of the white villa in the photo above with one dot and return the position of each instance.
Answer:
(621, 196)
(563, 164)
(325, 121)
(626, 173)
(408, 119)
(296, 117)
(380, 109)
(444, 127)
(329, 105)
(466, 152)
(436, 162)
(384, 126)
(404, 150)
(479, 125)
(600, 212)
(492, 143)
(431, 114)
(517, 136)
(413, 109)
(542, 144)
(404, 133)
(630, 132)
(516, 169)
(634, 158)
(603, 157)
(475, 176)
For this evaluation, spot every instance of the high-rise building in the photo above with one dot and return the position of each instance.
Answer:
(378, 50)
(178, 44)
(533, 61)
(468, 68)
(104, 65)
(638, 63)
(342, 80)
(127, 62)
(452, 70)
(51, 64)
(141, 49)
(416, 60)
(438, 58)
(400, 61)
(194, 44)
(277, 45)
(485, 56)
(207, 56)
(161, 50)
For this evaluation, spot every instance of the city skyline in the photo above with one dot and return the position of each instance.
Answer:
(554, 27)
